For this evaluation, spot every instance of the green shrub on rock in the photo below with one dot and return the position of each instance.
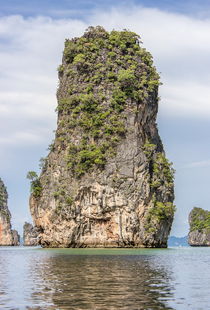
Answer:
(36, 187)
(199, 220)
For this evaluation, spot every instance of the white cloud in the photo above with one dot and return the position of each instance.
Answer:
(198, 164)
(185, 99)
(31, 50)
(25, 137)
(181, 48)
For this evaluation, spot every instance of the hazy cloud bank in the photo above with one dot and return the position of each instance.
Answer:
(31, 50)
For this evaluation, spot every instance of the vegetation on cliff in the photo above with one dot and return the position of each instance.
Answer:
(200, 220)
(7, 235)
(107, 73)
(3, 202)
(199, 234)
(106, 180)
(36, 187)
(161, 175)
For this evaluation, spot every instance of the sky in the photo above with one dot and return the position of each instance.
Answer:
(32, 35)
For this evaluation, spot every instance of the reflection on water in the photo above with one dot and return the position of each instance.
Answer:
(98, 279)
(108, 282)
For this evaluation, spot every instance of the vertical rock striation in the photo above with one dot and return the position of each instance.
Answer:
(199, 221)
(7, 235)
(106, 181)
(30, 235)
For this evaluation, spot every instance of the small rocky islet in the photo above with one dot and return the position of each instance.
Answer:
(199, 220)
(106, 181)
(8, 236)
(30, 235)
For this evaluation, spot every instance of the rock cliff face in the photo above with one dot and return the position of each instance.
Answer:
(199, 221)
(7, 235)
(16, 237)
(30, 235)
(106, 181)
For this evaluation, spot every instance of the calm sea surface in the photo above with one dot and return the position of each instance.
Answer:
(103, 279)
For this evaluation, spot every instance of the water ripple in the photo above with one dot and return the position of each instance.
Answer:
(38, 279)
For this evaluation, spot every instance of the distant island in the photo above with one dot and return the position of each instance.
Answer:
(199, 221)
(178, 241)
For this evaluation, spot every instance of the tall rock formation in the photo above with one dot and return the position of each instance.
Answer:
(16, 237)
(106, 181)
(199, 221)
(30, 235)
(7, 235)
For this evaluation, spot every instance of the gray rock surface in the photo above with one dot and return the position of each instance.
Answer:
(7, 235)
(199, 221)
(16, 237)
(30, 235)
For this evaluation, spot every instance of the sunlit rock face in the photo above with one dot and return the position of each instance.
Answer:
(7, 235)
(199, 221)
(30, 235)
(106, 181)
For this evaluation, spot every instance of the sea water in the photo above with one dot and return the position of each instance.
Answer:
(104, 279)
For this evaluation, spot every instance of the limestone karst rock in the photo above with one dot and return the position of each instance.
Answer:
(16, 237)
(106, 181)
(199, 221)
(7, 235)
(30, 235)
